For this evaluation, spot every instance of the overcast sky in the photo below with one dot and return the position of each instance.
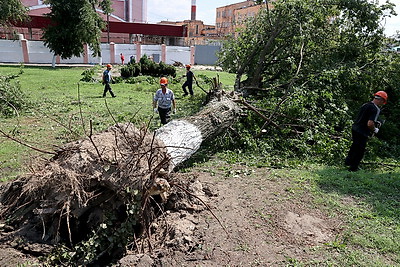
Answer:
(392, 24)
(179, 10)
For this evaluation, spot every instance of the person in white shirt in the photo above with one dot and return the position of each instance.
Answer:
(163, 101)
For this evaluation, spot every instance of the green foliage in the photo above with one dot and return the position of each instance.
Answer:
(147, 67)
(105, 6)
(106, 242)
(12, 11)
(11, 97)
(316, 65)
(130, 70)
(74, 23)
(88, 75)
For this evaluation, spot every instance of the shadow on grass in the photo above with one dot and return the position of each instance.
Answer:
(381, 190)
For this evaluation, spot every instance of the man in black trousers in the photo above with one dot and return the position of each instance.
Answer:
(189, 81)
(363, 128)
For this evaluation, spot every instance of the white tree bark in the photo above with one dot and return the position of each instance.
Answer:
(183, 138)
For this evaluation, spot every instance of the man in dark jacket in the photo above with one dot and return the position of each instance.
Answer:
(107, 79)
(364, 127)
(189, 81)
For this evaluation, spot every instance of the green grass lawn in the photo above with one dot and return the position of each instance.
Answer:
(62, 107)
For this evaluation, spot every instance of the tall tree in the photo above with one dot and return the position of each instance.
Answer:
(12, 11)
(106, 7)
(74, 23)
(311, 62)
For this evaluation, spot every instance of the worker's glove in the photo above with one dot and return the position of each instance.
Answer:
(155, 110)
(376, 130)
(174, 111)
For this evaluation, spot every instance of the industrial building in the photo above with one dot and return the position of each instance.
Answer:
(128, 24)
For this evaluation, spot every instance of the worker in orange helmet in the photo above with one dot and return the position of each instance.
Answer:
(163, 100)
(365, 126)
(189, 81)
(107, 79)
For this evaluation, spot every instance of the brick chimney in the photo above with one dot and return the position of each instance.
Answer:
(193, 16)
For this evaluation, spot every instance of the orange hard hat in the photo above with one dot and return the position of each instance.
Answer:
(188, 66)
(383, 95)
(109, 66)
(163, 81)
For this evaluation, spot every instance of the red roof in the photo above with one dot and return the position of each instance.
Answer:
(119, 27)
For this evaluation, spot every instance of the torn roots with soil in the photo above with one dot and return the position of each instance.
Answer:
(90, 190)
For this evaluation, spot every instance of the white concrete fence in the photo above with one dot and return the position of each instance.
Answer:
(35, 52)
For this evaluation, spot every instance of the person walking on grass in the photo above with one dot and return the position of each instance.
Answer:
(365, 126)
(107, 79)
(189, 81)
(163, 100)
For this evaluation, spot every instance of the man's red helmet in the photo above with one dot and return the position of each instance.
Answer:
(109, 66)
(163, 81)
(383, 95)
(188, 66)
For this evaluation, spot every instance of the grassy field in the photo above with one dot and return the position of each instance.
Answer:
(61, 108)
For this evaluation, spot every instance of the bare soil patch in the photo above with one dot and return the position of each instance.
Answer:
(265, 225)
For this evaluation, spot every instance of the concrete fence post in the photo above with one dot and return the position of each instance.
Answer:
(138, 51)
(25, 51)
(112, 53)
(164, 53)
(192, 52)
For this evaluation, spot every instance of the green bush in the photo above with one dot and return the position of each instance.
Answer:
(88, 75)
(11, 97)
(147, 67)
(130, 70)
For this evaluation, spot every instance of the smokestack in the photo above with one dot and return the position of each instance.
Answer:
(193, 16)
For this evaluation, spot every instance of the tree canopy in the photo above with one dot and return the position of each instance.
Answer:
(311, 65)
(74, 23)
(12, 11)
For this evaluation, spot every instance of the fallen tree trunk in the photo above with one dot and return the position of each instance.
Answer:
(100, 186)
(182, 138)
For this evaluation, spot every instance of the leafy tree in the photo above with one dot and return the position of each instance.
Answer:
(106, 7)
(74, 23)
(308, 66)
(12, 11)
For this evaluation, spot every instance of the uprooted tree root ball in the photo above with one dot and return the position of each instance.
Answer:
(93, 196)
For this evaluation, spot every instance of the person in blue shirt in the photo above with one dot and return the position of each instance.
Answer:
(163, 101)
(107, 79)
(363, 128)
